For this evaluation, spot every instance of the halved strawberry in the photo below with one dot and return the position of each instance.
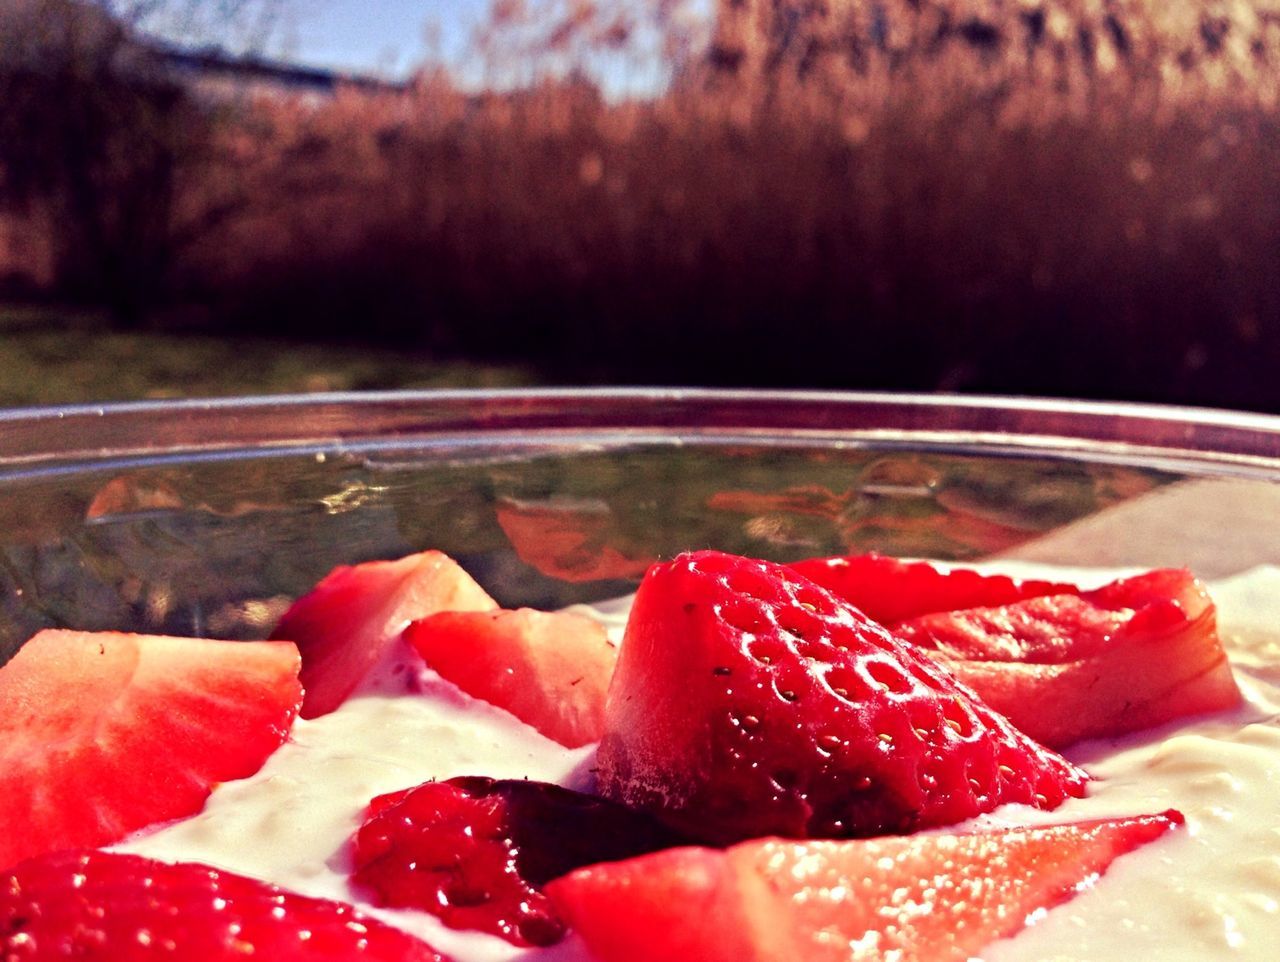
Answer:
(749, 701)
(110, 907)
(348, 621)
(889, 590)
(476, 852)
(1130, 655)
(549, 669)
(926, 898)
(104, 733)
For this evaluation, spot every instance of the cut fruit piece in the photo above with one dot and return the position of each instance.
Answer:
(1133, 654)
(110, 907)
(1063, 664)
(476, 852)
(345, 624)
(927, 898)
(889, 590)
(1066, 627)
(750, 701)
(549, 669)
(105, 733)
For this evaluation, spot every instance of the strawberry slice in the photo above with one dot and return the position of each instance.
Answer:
(1133, 654)
(927, 898)
(475, 851)
(345, 624)
(112, 907)
(888, 590)
(749, 701)
(105, 733)
(549, 669)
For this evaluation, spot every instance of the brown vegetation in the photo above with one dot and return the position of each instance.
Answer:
(1074, 196)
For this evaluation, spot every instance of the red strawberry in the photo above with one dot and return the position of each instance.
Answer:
(926, 898)
(349, 620)
(476, 852)
(888, 590)
(1128, 656)
(104, 733)
(749, 701)
(549, 669)
(124, 908)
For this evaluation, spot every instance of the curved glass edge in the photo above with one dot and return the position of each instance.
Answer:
(1200, 440)
(205, 518)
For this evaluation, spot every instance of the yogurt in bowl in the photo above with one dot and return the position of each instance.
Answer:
(232, 507)
(1209, 891)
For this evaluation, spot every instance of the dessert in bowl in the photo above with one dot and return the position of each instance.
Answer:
(601, 502)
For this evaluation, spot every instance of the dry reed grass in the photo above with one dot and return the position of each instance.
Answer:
(1073, 196)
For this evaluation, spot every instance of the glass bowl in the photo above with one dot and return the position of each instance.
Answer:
(207, 517)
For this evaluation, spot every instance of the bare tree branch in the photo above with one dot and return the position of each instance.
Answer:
(237, 26)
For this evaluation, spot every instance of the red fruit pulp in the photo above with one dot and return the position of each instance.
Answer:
(1133, 654)
(105, 733)
(109, 907)
(889, 590)
(749, 701)
(1061, 663)
(925, 898)
(549, 669)
(347, 622)
(476, 852)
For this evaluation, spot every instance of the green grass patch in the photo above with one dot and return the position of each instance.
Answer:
(49, 357)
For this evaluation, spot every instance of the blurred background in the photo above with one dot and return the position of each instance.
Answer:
(1056, 197)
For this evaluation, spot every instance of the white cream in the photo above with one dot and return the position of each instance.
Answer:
(292, 822)
(1211, 891)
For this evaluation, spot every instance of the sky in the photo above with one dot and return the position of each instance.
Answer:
(386, 36)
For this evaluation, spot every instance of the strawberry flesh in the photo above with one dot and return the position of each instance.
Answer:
(104, 733)
(476, 852)
(1061, 663)
(348, 621)
(748, 701)
(550, 669)
(889, 590)
(1130, 655)
(112, 907)
(925, 898)
(1050, 630)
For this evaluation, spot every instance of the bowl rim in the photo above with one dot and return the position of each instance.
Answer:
(1197, 440)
